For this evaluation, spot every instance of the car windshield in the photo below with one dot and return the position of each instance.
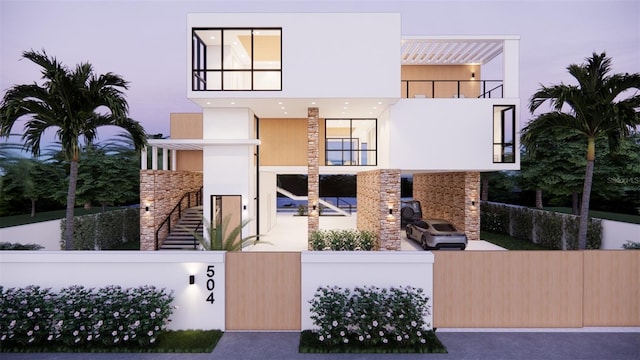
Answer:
(444, 227)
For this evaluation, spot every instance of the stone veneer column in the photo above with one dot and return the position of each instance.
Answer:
(450, 196)
(472, 211)
(378, 191)
(161, 190)
(313, 186)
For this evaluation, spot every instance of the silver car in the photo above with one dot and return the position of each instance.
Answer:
(436, 234)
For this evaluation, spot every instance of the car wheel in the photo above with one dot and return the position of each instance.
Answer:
(423, 242)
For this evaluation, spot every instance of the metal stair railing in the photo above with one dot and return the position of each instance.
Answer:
(178, 208)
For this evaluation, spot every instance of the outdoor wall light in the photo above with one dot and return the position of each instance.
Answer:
(314, 207)
(473, 203)
(473, 75)
(146, 208)
(192, 279)
(390, 211)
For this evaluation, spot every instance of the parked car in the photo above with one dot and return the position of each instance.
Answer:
(410, 211)
(436, 234)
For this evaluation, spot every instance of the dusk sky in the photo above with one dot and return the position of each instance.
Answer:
(146, 41)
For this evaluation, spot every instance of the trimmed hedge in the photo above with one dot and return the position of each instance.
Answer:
(550, 229)
(343, 240)
(82, 318)
(105, 230)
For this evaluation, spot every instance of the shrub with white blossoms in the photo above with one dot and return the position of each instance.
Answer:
(78, 316)
(370, 315)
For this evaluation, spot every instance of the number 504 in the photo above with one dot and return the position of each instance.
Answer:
(211, 284)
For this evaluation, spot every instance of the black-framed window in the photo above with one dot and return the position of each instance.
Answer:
(236, 59)
(504, 133)
(351, 142)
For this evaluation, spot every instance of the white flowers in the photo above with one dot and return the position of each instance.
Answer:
(375, 323)
(321, 338)
(334, 323)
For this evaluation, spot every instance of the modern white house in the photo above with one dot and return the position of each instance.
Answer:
(333, 93)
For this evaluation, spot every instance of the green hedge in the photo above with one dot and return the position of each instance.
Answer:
(343, 240)
(105, 230)
(84, 318)
(550, 229)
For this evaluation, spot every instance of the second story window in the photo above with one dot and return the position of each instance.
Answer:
(504, 133)
(350, 142)
(245, 59)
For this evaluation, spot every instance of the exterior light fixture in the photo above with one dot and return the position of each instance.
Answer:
(146, 208)
(192, 279)
(390, 211)
(473, 75)
(314, 207)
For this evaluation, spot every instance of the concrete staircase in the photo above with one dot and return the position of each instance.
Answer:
(181, 236)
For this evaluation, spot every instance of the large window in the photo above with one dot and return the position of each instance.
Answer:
(504, 133)
(236, 59)
(350, 142)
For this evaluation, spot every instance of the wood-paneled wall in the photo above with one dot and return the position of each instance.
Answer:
(263, 291)
(612, 288)
(481, 289)
(186, 125)
(536, 289)
(468, 88)
(284, 142)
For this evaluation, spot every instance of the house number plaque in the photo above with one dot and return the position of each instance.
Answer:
(211, 284)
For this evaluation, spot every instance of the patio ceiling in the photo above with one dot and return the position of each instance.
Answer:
(449, 51)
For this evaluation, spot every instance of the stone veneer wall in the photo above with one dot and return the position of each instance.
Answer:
(313, 187)
(379, 190)
(161, 190)
(449, 196)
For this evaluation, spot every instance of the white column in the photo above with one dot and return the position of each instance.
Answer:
(511, 68)
(165, 159)
(143, 158)
(154, 158)
(174, 160)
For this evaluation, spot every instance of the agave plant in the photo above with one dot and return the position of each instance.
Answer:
(217, 240)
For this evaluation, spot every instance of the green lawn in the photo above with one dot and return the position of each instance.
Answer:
(510, 243)
(24, 219)
(634, 219)
(169, 341)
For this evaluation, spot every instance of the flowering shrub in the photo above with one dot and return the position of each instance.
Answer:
(370, 316)
(343, 240)
(81, 317)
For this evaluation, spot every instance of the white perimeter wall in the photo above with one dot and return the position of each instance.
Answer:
(615, 234)
(446, 135)
(330, 55)
(46, 233)
(349, 269)
(166, 269)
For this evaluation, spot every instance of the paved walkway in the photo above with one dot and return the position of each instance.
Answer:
(505, 345)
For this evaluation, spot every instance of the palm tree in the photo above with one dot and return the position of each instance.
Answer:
(597, 106)
(76, 102)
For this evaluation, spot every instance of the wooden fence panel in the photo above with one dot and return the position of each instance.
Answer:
(263, 291)
(508, 289)
(612, 288)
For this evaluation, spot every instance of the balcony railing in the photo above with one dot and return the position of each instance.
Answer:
(451, 88)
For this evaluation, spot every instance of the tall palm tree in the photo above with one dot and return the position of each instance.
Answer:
(598, 105)
(76, 102)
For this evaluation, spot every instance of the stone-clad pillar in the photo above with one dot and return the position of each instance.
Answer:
(313, 186)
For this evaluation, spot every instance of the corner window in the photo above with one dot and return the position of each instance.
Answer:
(350, 142)
(504, 133)
(244, 59)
